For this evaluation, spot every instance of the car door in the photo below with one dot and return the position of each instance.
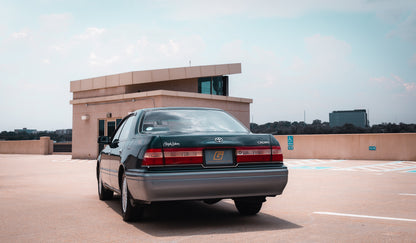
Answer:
(118, 145)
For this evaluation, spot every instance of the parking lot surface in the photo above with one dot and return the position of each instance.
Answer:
(53, 198)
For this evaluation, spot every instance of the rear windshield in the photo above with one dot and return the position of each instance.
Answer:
(190, 121)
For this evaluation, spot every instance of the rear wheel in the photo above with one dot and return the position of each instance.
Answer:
(128, 209)
(103, 193)
(249, 206)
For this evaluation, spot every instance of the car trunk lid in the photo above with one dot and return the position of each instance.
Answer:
(214, 150)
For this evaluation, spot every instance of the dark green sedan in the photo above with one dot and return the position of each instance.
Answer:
(171, 154)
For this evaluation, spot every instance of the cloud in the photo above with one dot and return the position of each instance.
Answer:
(87, 38)
(394, 82)
(169, 49)
(90, 33)
(327, 47)
(406, 29)
(151, 51)
(20, 35)
(102, 61)
(327, 60)
(190, 9)
(56, 22)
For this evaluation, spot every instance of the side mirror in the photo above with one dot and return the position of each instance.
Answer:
(114, 144)
(103, 140)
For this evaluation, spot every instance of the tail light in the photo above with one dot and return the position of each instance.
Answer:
(253, 154)
(189, 156)
(183, 156)
(173, 156)
(259, 154)
(277, 154)
(153, 157)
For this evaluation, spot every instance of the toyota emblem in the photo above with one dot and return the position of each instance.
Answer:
(218, 140)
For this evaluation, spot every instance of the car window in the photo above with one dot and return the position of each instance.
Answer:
(126, 129)
(188, 121)
(119, 129)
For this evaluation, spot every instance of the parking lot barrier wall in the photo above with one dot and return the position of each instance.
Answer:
(42, 146)
(391, 146)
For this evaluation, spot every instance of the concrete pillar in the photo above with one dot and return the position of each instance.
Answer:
(44, 145)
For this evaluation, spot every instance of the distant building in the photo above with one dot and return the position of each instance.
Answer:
(357, 118)
(63, 131)
(25, 130)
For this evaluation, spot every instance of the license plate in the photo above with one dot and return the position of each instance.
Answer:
(219, 157)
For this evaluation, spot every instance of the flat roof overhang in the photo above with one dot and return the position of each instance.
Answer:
(151, 76)
(150, 94)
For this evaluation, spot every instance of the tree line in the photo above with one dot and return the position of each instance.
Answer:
(318, 127)
(275, 128)
(55, 136)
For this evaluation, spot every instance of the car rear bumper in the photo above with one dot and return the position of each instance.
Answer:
(206, 184)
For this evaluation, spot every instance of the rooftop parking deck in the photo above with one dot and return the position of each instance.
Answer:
(54, 198)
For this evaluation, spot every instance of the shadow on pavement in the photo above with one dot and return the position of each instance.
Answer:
(197, 218)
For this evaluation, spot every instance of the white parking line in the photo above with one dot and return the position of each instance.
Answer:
(293, 163)
(384, 167)
(407, 194)
(364, 216)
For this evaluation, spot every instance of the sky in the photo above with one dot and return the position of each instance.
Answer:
(299, 58)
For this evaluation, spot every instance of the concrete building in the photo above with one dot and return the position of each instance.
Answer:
(25, 130)
(63, 131)
(357, 118)
(100, 103)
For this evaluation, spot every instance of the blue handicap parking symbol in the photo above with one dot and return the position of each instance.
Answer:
(290, 140)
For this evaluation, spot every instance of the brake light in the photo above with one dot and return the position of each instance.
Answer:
(189, 156)
(172, 156)
(277, 154)
(153, 157)
(180, 156)
(253, 154)
(259, 154)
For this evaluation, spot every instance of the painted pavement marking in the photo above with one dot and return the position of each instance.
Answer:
(384, 167)
(407, 194)
(364, 216)
(307, 162)
(69, 160)
(311, 164)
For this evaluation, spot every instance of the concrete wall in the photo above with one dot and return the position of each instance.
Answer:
(42, 146)
(397, 146)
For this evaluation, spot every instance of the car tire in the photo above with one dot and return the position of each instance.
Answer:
(103, 193)
(248, 207)
(129, 211)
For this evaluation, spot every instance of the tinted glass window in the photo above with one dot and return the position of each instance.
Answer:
(126, 129)
(217, 86)
(119, 129)
(190, 121)
(111, 127)
(213, 85)
(204, 85)
(101, 127)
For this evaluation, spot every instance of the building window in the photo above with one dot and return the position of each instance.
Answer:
(213, 85)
